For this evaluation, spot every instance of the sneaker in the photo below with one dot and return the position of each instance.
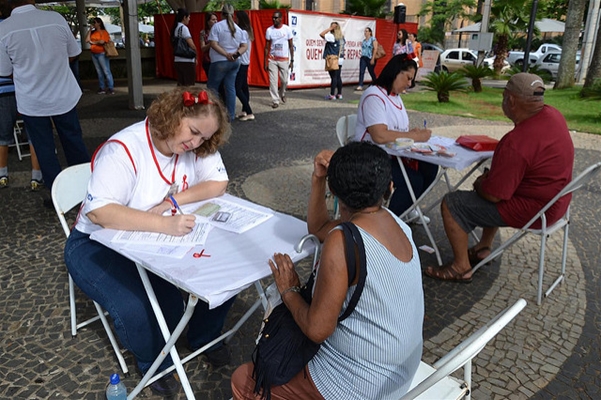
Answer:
(359, 88)
(111, 91)
(242, 114)
(36, 185)
(338, 97)
(167, 386)
(275, 105)
(218, 357)
(330, 97)
(249, 117)
(101, 91)
(3, 182)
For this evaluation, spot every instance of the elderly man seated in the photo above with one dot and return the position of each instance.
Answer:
(531, 164)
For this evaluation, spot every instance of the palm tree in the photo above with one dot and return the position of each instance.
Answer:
(507, 16)
(443, 83)
(475, 73)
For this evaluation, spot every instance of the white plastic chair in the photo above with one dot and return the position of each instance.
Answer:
(435, 382)
(546, 231)
(20, 139)
(345, 128)
(68, 190)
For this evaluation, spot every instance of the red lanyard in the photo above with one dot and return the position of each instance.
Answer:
(156, 162)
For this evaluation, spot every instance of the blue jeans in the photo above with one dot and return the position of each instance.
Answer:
(225, 72)
(39, 131)
(242, 91)
(103, 69)
(365, 62)
(113, 282)
(420, 181)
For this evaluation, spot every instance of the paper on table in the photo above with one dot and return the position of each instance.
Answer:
(197, 236)
(231, 216)
(159, 250)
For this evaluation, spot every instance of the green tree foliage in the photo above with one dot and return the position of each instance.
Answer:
(70, 14)
(554, 9)
(271, 5)
(476, 73)
(366, 8)
(145, 11)
(217, 5)
(443, 14)
(507, 17)
(443, 83)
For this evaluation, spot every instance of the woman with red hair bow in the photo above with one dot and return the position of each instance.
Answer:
(139, 175)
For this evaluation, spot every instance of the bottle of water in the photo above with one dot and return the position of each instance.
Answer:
(116, 389)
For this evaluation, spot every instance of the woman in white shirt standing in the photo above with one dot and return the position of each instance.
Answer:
(184, 67)
(228, 43)
(242, 91)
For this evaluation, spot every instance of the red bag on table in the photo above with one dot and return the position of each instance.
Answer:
(478, 142)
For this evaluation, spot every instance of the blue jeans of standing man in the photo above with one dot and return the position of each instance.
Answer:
(39, 130)
(225, 71)
(103, 69)
(113, 282)
(365, 62)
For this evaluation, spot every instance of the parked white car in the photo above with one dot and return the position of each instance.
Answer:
(550, 63)
(455, 59)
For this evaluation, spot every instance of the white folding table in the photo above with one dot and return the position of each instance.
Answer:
(214, 273)
(462, 159)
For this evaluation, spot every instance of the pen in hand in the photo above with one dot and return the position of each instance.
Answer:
(176, 205)
(424, 124)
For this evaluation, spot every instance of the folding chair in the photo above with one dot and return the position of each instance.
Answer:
(345, 128)
(20, 139)
(546, 231)
(435, 382)
(68, 190)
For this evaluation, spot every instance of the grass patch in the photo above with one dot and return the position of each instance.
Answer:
(582, 115)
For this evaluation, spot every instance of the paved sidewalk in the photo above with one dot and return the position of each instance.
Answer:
(551, 351)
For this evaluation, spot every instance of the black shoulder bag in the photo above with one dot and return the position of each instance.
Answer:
(283, 350)
(180, 46)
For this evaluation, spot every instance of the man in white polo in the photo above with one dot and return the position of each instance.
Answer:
(35, 48)
(279, 57)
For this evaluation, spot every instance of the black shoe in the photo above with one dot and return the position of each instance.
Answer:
(167, 386)
(218, 357)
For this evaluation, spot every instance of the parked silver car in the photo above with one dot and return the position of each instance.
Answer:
(455, 59)
(550, 63)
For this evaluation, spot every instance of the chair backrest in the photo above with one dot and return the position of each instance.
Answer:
(466, 350)
(345, 128)
(68, 190)
(576, 183)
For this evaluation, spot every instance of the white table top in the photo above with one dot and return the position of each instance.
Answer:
(463, 158)
(235, 262)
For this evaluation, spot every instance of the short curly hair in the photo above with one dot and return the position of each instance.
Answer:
(359, 174)
(167, 111)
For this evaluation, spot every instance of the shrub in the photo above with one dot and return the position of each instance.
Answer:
(444, 83)
(476, 73)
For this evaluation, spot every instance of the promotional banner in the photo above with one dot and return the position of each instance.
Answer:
(309, 64)
(429, 58)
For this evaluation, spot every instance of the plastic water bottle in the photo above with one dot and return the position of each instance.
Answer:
(116, 389)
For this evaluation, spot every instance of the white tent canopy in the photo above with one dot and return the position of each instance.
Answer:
(544, 25)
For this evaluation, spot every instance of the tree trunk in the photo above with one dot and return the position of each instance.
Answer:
(501, 53)
(477, 85)
(443, 97)
(594, 69)
(567, 64)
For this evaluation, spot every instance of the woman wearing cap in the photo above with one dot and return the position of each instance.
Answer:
(174, 152)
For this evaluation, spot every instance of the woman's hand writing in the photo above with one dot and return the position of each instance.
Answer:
(283, 271)
(421, 135)
(179, 225)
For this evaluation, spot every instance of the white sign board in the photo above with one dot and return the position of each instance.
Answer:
(309, 64)
(429, 58)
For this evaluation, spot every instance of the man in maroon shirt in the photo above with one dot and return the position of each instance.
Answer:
(530, 165)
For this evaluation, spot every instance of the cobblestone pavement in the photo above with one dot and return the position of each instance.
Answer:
(551, 351)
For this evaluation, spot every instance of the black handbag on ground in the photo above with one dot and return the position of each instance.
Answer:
(283, 350)
(180, 46)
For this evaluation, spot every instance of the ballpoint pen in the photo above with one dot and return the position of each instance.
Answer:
(424, 124)
(176, 205)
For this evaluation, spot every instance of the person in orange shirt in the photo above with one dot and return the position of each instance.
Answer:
(97, 37)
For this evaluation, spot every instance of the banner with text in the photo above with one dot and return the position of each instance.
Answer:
(309, 65)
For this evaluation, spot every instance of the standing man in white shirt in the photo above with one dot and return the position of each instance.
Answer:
(278, 57)
(35, 48)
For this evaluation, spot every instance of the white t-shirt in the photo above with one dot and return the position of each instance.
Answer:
(142, 182)
(35, 47)
(280, 49)
(220, 33)
(184, 33)
(377, 107)
(245, 57)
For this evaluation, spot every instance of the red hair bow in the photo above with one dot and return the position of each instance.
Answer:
(190, 99)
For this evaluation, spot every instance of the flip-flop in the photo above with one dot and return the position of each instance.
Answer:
(473, 255)
(446, 273)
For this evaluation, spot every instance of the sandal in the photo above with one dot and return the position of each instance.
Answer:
(446, 273)
(474, 257)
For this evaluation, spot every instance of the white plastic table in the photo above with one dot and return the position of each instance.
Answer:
(462, 159)
(228, 263)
